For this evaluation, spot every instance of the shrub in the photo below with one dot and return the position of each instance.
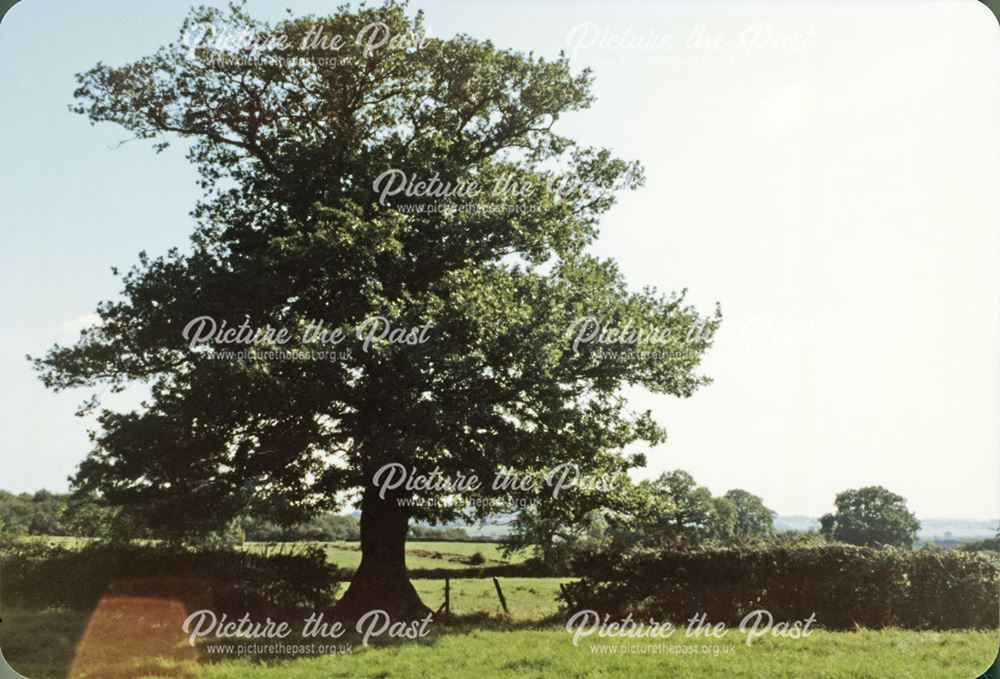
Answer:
(845, 586)
(327, 527)
(986, 545)
(37, 575)
(418, 532)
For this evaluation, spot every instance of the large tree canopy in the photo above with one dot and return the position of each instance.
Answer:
(290, 231)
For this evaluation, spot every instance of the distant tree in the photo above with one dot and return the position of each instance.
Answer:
(753, 519)
(984, 545)
(555, 542)
(418, 532)
(799, 538)
(665, 512)
(827, 526)
(688, 510)
(47, 514)
(39, 513)
(676, 509)
(327, 527)
(86, 516)
(62, 514)
(15, 514)
(560, 533)
(338, 526)
(871, 516)
(725, 515)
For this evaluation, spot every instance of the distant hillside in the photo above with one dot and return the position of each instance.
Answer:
(957, 529)
(930, 529)
(497, 527)
(938, 530)
(783, 524)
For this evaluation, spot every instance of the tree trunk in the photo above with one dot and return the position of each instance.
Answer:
(381, 582)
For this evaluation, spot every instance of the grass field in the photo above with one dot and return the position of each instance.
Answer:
(527, 598)
(58, 540)
(419, 555)
(425, 555)
(346, 554)
(141, 639)
(490, 550)
(57, 644)
(548, 653)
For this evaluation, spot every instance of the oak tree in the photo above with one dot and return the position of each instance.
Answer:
(290, 140)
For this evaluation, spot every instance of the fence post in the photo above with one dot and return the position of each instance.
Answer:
(503, 601)
(445, 606)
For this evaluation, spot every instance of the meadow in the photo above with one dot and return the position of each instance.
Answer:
(61, 644)
(420, 555)
(141, 639)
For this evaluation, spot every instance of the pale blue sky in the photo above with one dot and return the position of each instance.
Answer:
(835, 188)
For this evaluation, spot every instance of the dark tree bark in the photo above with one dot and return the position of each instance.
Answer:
(381, 582)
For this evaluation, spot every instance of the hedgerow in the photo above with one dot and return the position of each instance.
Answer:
(845, 586)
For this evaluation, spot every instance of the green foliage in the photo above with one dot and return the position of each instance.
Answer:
(418, 532)
(689, 512)
(46, 513)
(753, 519)
(984, 545)
(680, 511)
(290, 231)
(43, 644)
(671, 510)
(845, 586)
(686, 513)
(27, 514)
(799, 538)
(723, 523)
(556, 544)
(40, 575)
(871, 516)
(326, 527)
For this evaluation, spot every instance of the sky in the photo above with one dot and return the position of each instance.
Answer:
(829, 172)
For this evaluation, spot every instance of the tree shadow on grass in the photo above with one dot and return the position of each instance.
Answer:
(41, 644)
(442, 627)
(133, 631)
(127, 636)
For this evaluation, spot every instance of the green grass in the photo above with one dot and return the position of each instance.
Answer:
(490, 550)
(40, 644)
(527, 598)
(58, 540)
(419, 555)
(43, 645)
(347, 554)
(142, 640)
(549, 654)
